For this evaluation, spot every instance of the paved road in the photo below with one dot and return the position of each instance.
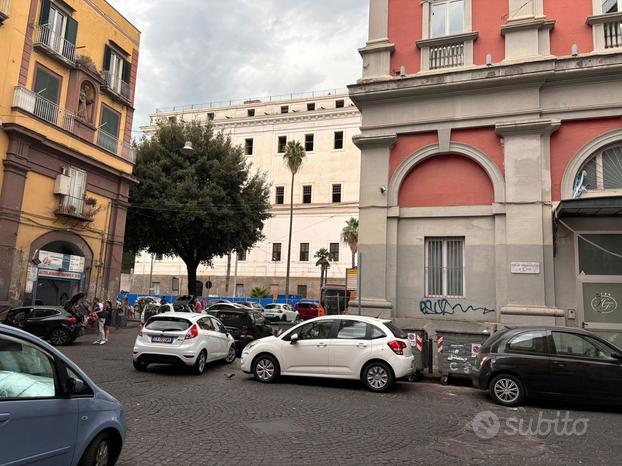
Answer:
(176, 418)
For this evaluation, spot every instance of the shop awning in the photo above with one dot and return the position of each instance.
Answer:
(590, 207)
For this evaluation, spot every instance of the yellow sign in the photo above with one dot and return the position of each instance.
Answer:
(275, 295)
(352, 276)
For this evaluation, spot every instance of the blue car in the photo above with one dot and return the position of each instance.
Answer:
(51, 413)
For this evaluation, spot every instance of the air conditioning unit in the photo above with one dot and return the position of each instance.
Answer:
(62, 185)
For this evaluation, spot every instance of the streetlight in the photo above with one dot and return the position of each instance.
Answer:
(188, 149)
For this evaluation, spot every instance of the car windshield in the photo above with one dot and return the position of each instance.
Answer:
(273, 306)
(397, 332)
(167, 324)
(231, 319)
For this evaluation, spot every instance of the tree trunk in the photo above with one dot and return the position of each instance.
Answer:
(289, 242)
(353, 259)
(192, 278)
(228, 277)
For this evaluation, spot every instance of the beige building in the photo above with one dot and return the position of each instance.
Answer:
(326, 193)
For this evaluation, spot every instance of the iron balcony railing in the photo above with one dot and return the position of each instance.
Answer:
(41, 107)
(107, 141)
(46, 36)
(613, 34)
(117, 84)
(76, 207)
(446, 56)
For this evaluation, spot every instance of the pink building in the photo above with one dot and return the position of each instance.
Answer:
(491, 170)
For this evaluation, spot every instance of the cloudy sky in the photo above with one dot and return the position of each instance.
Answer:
(195, 51)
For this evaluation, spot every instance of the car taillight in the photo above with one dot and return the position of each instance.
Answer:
(483, 361)
(72, 320)
(397, 346)
(244, 330)
(140, 330)
(193, 332)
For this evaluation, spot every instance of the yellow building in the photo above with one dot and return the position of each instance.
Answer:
(67, 80)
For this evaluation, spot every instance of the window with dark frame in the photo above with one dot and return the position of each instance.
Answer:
(210, 116)
(309, 141)
(301, 290)
(304, 252)
(311, 106)
(340, 103)
(285, 109)
(306, 194)
(280, 195)
(338, 140)
(336, 193)
(444, 267)
(611, 6)
(248, 146)
(242, 255)
(334, 252)
(276, 252)
(282, 144)
(250, 112)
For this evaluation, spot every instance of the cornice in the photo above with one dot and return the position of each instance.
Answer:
(526, 24)
(365, 142)
(528, 127)
(447, 40)
(606, 18)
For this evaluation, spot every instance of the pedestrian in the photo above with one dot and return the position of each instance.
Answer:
(198, 306)
(108, 311)
(98, 309)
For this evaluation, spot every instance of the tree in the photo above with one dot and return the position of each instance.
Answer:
(195, 205)
(293, 156)
(350, 236)
(322, 256)
(260, 292)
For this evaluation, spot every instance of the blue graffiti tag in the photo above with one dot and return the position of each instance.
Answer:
(442, 307)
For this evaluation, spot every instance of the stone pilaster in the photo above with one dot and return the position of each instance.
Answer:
(377, 52)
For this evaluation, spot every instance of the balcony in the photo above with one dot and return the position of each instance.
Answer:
(4, 10)
(447, 56)
(117, 85)
(447, 52)
(47, 110)
(607, 31)
(54, 44)
(77, 207)
(107, 141)
(613, 34)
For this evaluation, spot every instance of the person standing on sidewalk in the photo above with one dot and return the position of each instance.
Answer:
(108, 311)
(98, 309)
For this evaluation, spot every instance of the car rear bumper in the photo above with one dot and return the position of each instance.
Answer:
(403, 366)
(160, 354)
(153, 358)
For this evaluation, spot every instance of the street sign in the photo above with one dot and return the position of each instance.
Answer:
(352, 279)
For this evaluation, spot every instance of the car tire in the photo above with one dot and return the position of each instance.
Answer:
(265, 368)
(283, 318)
(378, 377)
(99, 452)
(231, 355)
(140, 365)
(60, 337)
(199, 365)
(507, 390)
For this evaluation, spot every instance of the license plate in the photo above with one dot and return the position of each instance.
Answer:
(161, 340)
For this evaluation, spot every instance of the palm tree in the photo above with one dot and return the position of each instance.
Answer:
(350, 236)
(322, 256)
(293, 156)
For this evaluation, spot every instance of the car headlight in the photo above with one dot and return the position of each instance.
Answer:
(248, 347)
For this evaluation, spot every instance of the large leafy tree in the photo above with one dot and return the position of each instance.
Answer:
(196, 205)
(294, 156)
(350, 236)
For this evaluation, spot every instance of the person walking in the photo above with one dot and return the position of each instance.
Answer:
(198, 306)
(108, 312)
(98, 309)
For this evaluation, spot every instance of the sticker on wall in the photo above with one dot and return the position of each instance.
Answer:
(604, 303)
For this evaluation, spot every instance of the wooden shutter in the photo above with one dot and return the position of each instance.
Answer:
(44, 17)
(127, 71)
(47, 85)
(71, 31)
(107, 56)
(110, 122)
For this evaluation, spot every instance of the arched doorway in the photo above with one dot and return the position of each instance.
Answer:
(62, 264)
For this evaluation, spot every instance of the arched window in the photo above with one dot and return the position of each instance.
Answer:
(603, 171)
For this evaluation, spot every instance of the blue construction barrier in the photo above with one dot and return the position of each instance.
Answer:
(208, 301)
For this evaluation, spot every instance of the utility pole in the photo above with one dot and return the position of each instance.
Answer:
(151, 275)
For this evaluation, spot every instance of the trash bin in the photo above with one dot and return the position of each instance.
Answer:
(457, 352)
(420, 344)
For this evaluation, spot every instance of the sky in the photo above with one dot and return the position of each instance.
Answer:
(196, 51)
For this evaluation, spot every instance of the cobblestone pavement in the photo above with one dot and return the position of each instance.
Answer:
(176, 418)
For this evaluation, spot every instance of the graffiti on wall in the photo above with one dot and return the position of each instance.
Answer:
(442, 307)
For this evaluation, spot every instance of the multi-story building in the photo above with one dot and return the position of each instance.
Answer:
(67, 76)
(491, 176)
(325, 194)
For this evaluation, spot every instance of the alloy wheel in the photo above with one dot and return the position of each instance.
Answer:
(377, 377)
(102, 454)
(59, 337)
(231, 354)
(201, 362)
(506, 390)
(264, 369)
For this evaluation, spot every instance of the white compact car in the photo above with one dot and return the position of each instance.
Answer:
(183, 338)
(340, 347)
(282, 312)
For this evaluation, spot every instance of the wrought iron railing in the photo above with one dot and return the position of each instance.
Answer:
(107, 141)
(446, 56)
(46, 36)
(76, 207)
(43, 108)
(117, 84)
(613, 34)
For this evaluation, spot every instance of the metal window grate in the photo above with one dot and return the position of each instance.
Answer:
(444, 267)
(334, 252)
(306, 194)
(276, 252)
(280, 195)
(304, 252)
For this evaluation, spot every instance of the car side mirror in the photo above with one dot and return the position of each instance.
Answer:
(73, 386)
(293, 339)
(617, 356)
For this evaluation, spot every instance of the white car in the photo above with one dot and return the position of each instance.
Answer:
(183, 338)
(340, 347)
(282, 312)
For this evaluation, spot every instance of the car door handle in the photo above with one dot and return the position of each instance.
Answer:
(4, 418)
(322, 345)
(559, 364)
(361, 345)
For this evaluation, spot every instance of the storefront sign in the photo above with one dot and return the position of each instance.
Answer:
(602, 303)
(51, 260)
(45, 273)
(76, 264)
(525, 267)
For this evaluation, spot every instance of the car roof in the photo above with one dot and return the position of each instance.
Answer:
(368, 319)
(38, 306)
(514, 330)
(185, 315)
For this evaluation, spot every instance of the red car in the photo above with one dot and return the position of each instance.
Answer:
(309, 310)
